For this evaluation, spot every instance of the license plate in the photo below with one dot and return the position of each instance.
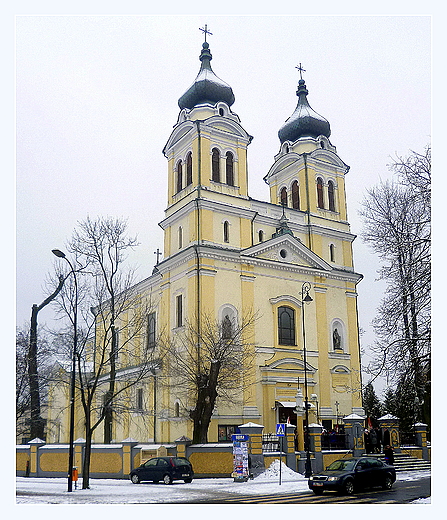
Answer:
(185, 475)
(316, 484)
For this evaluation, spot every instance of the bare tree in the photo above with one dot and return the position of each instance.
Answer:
(30, 403)
(210, 363)
(37, 423)
(397, 227)
(111, 352)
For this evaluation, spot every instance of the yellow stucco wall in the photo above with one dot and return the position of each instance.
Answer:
(106, 463)
(53, 461)
(218, 463)
(21, 459)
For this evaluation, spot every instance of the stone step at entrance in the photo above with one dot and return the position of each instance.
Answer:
(405, 462)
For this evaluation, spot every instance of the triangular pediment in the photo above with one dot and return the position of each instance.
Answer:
(287, 249)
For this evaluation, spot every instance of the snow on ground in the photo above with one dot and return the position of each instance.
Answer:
(422, 501)
(34, 490)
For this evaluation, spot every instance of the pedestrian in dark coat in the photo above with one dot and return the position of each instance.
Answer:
(373, 440)
(389, 454)
(367, 442)
(386, 437)
(379, 439)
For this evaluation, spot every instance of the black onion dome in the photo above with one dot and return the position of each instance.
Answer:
(207, 87)
(304, 122)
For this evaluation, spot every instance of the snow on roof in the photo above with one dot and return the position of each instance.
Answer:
(386, 417)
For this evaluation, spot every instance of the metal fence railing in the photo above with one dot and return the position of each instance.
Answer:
(333, 441)
(270, 442)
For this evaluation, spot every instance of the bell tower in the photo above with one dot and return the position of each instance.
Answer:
(207, 163)
(308, 176)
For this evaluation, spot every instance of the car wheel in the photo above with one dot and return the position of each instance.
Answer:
(348, 487)
(188, 480)
(135, 479)
(318, 491)
(387, 483)
(167, 479)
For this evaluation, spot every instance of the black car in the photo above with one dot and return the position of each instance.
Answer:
(166, 469)
(349, 475)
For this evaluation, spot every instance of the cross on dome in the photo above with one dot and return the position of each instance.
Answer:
(300, 68)
(205, 31)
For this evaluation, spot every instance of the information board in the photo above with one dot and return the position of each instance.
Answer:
(240, 457)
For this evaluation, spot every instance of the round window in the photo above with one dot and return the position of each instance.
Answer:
(283, 253)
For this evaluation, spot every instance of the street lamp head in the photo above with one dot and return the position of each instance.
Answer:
(58, 253)
(307, 298)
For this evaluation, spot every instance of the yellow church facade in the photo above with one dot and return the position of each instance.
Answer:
(229, 255)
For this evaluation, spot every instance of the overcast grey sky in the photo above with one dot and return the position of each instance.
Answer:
(96, 100)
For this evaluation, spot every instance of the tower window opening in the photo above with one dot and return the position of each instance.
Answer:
(179, 176)
(215, 166)
(179, 310)
(320, 197)
(261, 235)
(229, 169)
(180, 237)
(283, 197)
(286, 326)
(189, 169)
(331, 195)
(295, 195)
(177, 409)
(332, 252)
(226, 231)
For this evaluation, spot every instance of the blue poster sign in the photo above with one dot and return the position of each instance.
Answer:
(240, 457)
(239, 437)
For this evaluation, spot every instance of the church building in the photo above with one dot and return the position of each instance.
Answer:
(227, 254)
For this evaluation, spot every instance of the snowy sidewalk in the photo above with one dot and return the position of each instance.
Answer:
(113, 491)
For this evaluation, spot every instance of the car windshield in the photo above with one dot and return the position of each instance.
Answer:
(342, 465)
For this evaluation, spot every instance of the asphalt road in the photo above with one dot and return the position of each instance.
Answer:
(401, 493)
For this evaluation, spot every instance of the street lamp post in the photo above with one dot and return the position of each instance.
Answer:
(60, 254)
(305, 298)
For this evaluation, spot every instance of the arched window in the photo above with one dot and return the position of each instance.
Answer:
(320, 197)
(226, 231)
(179, 176)
(261, 235)
(332, 252)
(180, 237)
(295, 195)
(283, 196)
(151, 322)
(215, 166)
(177, 409)
(286, 326)
(331, 195)
(229, 169)
(189, 169)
